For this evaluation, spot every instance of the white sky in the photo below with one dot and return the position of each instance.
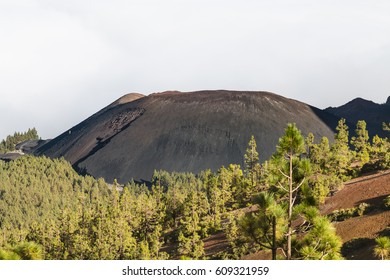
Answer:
(61, 61)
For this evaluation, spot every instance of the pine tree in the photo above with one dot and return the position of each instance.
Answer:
(143, 251)
(324, 155)
(386, 127)
(322, 180)
(8, 255)
(240, 188)
(11, 141)
(321, 241)
(224, 184)
(252, 165)
(175, 197)
(237, 243)
(382, 247)
(190, 243)
(361, 144)
(213, 192)
(292, 171)
(128, 246)
(28, 251)
(267, 226)
(319, 155)
(341, 155)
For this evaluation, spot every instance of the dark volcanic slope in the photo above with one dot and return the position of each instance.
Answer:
(182, 132)
(360, 109)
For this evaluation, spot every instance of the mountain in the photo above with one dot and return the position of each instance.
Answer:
(360, 109)
(182, 131)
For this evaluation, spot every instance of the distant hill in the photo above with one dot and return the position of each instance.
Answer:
(360, 109)
(182, 131)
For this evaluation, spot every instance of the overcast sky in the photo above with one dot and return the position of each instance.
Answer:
(61, 61)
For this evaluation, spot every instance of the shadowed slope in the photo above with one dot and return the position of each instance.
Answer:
(360, 109)
(179, 131)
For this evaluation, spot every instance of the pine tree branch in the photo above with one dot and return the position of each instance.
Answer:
(283, 188)
(284, 174)
(284, 252)
(293, 201)
(300, 184)
(258, 241)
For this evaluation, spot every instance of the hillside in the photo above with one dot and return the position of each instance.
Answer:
(358, 233)
(177, 131)
(371, 189)
(360, 109)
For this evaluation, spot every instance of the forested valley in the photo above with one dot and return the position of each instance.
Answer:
(48, 211)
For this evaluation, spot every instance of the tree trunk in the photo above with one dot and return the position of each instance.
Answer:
(290, 206)
(274, 238)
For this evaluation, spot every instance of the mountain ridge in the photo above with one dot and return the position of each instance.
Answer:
(361, 109)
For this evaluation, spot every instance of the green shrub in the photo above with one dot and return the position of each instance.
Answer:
(22, 251)
(382, 247)
(387, 202)
(8, 255)
(344, 214)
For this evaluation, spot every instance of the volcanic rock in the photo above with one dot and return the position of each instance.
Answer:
(182, 131)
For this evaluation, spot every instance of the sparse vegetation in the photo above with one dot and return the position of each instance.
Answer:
(387, 202)
(343, 214)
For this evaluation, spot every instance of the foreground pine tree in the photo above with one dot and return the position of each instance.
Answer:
(321, 241)
(265, 227)
(292, 170)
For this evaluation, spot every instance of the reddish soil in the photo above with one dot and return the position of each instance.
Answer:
(215, 243)
(358, 233)
(371, 189)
